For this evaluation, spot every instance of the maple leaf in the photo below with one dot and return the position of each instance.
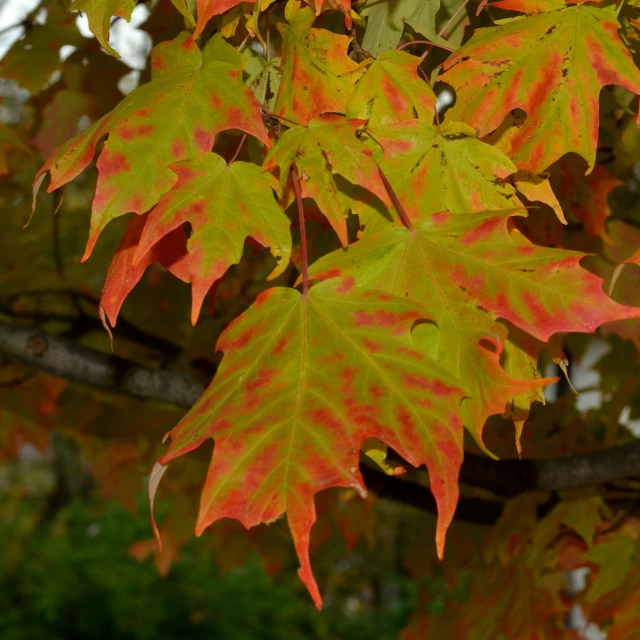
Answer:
(99, 13)
(224, 204)
(520, 360)
(317, 74)
(341, 5)
(32, 60)
(386, 20)
(552, 66)
(444, 168)
(543, 291)
(537, 188)
(473, 271)
(209, 8)
(392, 91)
(621, 249)
(263, 76)
(123, 273)
(325, 147)
(614, 559)
(585, 197)
(384, 31)
(192, 96)
(584, 516)
(10, 141)
(304, 381)
(612, 599)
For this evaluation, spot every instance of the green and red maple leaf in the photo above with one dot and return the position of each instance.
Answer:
(192, 96)
(468, 270)
(305, 380)
(317, 74)
(552, 65)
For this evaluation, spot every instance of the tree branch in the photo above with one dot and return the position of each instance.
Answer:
(394, 488)
(81, 322)
(510, 478)
(507, 478)
(67, 359)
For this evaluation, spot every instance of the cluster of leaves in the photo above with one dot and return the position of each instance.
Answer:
(418, 285)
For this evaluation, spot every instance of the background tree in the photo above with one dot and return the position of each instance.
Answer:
(379, 286)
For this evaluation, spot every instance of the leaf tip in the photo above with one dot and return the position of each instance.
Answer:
(37, 183)
(309, 581)
(91, 243)
(440, 541)
(105, 325)
(154, 480)
(564, 367)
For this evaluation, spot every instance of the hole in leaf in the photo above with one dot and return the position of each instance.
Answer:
(426, 337)
(488, 344)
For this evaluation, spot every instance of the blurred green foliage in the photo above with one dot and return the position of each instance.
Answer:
(73, 577)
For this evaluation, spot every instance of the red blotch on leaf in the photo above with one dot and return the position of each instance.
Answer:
(482, 231)
(178, 150)
(346, 286)
(203, 140)
(281, 346)
(111, 163)
(374, 347)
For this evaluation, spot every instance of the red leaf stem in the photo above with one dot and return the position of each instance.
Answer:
(396, 203)
(303, 233)
(427, 42)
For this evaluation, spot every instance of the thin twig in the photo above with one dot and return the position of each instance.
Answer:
(277, 117)
(243, 44)
(356, 48)
(303, 232)
(431, 44)
(456, 13)
(10, 27)
(237, 153)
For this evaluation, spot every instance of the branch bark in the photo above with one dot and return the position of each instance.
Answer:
(507, 478)
(67, 359)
